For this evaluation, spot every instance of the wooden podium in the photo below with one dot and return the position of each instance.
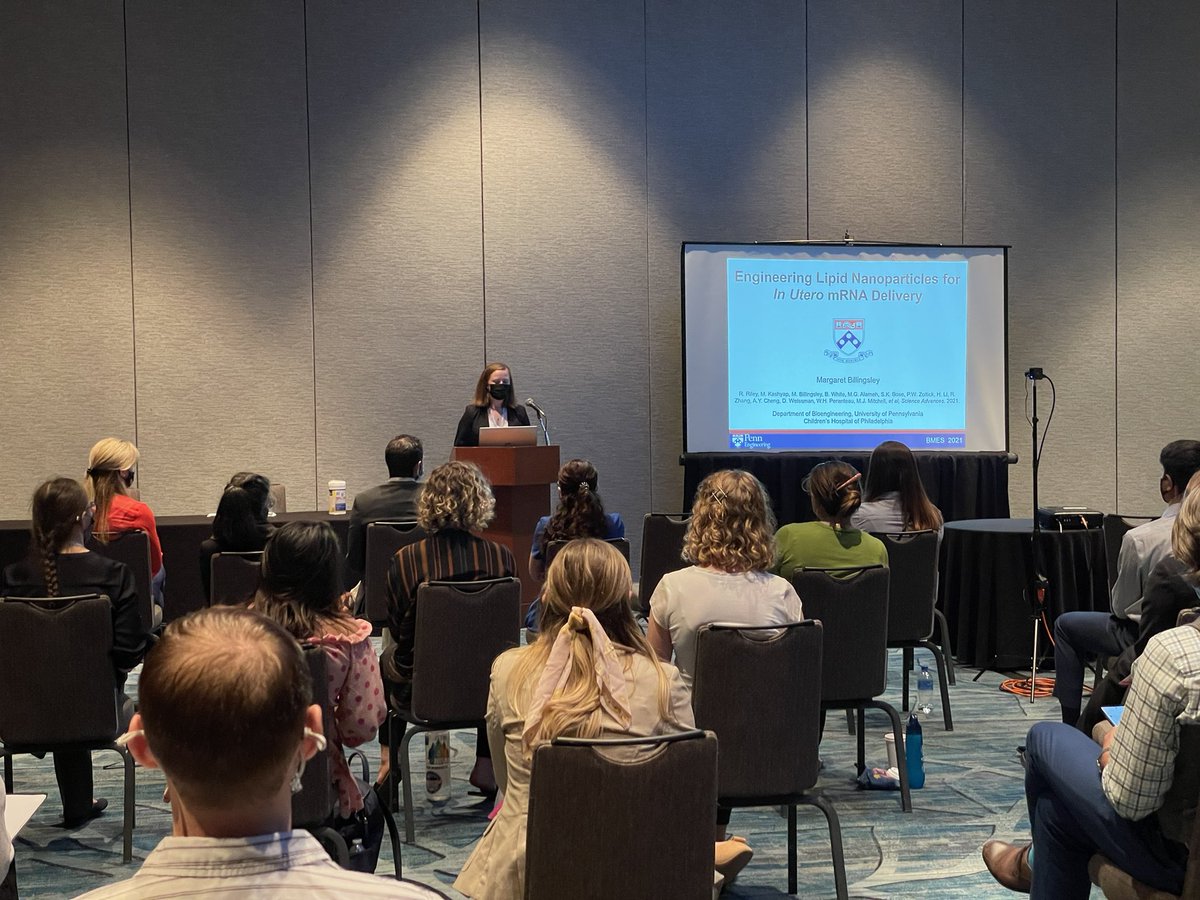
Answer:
(520, 478)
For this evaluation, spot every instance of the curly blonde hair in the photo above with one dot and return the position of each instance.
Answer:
(732, 527)
(456, 495)
(1185, 533)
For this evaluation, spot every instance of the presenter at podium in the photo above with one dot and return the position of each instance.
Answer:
(494, 406)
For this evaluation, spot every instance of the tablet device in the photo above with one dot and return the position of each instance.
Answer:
(1113, 713)
(509, 436)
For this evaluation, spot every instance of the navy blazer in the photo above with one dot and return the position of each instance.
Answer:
(476, 417)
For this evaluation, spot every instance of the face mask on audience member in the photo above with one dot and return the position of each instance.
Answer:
(499, 391)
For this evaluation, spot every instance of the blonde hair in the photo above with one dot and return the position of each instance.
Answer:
(732, 527)
(1185, 533)
(108, 458)
(456, 495)
(592, 574)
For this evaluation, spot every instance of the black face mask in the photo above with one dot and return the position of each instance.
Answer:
(499, 391)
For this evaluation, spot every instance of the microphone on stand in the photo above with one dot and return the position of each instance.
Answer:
(541, 414)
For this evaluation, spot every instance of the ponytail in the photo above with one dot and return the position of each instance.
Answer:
(57, 509)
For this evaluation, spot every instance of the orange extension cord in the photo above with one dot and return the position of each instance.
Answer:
(1042, 687)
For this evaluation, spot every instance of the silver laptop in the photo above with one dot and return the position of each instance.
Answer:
(510, 436)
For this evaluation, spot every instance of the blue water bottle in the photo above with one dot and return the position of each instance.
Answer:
(912, 753)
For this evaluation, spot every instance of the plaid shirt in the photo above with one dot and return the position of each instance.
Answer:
(1165, 693)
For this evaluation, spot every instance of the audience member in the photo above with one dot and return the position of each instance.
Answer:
(8, 865)
(395, 499)
(895, 499)
(226, 712)
(494, 406)
(455, 501)
(1121, 814)
(1077, 634)
(111, 473)
(61, 566)
(1173, 586)
(580, 513)
(240, 525)
(301, 590)
(831, 542)
(730, 543)
(590, 673)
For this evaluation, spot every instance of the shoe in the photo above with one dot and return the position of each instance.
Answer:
(387, 789)
(1009, 864)
(97, 808)
(732, 856)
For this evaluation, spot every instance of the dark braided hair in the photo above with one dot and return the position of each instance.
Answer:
(57, 507)
(580, 513)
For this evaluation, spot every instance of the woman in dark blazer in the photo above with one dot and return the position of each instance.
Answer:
(493, 405)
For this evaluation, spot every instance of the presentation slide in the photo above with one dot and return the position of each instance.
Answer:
(841, 347)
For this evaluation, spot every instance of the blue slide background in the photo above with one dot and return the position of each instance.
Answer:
(779, 345)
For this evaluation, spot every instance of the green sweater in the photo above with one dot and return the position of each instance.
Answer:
(817, 545)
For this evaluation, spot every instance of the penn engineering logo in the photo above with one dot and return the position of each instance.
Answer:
(849, 335)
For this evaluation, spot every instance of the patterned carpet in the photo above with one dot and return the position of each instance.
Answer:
(973, 792)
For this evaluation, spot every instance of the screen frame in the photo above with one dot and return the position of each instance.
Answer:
(837, 245)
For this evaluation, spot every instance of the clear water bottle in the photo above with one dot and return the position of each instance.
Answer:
(924, 691)
(437, 767)
(914, 756)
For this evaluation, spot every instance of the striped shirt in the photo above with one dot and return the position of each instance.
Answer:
(285, 864)
(1165, 694)
(448, 555)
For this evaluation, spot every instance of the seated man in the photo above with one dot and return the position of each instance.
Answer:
(1077, 634)
(395, 499)
(226, 712)
(1075, 811)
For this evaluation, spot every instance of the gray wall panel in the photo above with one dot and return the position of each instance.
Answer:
(726, 134)
(885, 120)
(397, 227)
(66, 333)
(564, 165)
(1158, 144)
(222, 268)
(1039, 161)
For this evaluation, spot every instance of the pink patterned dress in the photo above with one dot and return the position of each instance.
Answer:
(356, 692)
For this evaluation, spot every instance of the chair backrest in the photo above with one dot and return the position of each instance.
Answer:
(234, 577)
(912, 559)
(1114, 526)
(384, 538)
(614, 800)
(554, 546)
(768, 738)
(56, 673)
(133, 549)
(853, 609)
(662, 552)
(314, 803)
(462, 626)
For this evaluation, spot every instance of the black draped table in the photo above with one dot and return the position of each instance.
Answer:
(180, 537)
(986, 566)
(961, 485)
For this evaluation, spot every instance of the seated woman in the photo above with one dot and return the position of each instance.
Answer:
(240, 525)
(494, 406)
(301, 589)
(580, 513)
(456, 501)
(590, 673)
(61, 566)
(730, 543)
(111, 472)
(895, 499)
(831, 542)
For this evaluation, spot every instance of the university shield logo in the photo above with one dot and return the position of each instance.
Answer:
(849, 334)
